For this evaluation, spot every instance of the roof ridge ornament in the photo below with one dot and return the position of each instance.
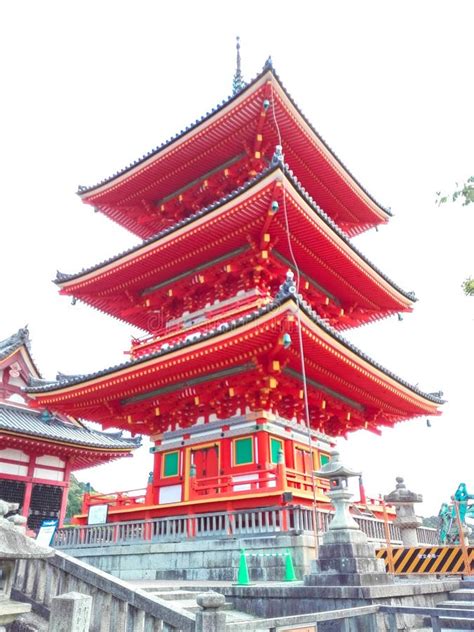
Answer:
(288, 288)
(278, 157)
(268, 65)
(238, 83)
(21, 337)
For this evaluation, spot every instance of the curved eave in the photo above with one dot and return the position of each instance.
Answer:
(70, 444)
(111, 273)
(18, 419)
(81, 457)
(110, 193)
(345, 351)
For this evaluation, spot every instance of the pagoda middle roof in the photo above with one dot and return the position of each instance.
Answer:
(221, 135)
(285, 300)
(142, 264)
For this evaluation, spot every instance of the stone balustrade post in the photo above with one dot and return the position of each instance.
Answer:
(210, 618)
(70, 612)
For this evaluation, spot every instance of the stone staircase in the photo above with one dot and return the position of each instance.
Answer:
(186, 598)
(462, 599)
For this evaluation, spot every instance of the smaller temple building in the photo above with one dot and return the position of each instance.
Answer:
(38, 448)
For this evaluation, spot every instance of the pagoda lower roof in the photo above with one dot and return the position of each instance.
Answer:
(89, 446)
(218, 137)
(322, 250)
(335, 370)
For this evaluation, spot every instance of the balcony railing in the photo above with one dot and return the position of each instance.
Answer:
(251, 522)
(129, 498)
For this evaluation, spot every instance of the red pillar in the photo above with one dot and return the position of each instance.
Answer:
(226, 454)
(28, 487)
(289, 454)
(156, 476)
(67, 476)
(27, 499)
(263, 453)
(281, 474)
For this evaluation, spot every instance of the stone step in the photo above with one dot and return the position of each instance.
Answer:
(451, 623)
(172, 594)
(463, 594)
(186, 600)
(464, 605)
(191, 606)
(443, 629)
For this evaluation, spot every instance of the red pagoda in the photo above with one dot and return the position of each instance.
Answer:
(245, 278)
(38, 449)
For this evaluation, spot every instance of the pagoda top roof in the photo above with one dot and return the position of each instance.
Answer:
(16, 342)
(64, 279)
(18, 419)
(287, 294)
(144, 178)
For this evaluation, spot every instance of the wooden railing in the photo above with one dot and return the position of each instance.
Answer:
(116, 499)
(255, 480)
(205, 319)
(251, 522)
(273, 478)
(116, 605)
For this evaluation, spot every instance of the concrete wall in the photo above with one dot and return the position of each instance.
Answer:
(201, 559)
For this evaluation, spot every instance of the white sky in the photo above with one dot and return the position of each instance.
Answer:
(87, 87)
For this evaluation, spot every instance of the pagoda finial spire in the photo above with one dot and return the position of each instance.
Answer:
(238, 82)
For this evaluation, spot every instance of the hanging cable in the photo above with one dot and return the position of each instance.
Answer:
(301, 346)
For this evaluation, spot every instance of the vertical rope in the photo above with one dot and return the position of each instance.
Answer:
(301, 345)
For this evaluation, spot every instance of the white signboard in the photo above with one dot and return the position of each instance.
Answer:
(97, 514)
(46, 532)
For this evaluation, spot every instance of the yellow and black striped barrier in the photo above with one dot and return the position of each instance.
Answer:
(448, 560)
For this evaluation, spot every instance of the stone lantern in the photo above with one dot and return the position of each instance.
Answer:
(404, 501)
(14, 545)
(345, 556)
(338, 476)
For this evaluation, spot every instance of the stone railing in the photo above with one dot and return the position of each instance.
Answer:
(375, 617)
(246, 523)
(116, 605)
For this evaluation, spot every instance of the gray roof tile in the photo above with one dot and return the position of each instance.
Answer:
(22, 420)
